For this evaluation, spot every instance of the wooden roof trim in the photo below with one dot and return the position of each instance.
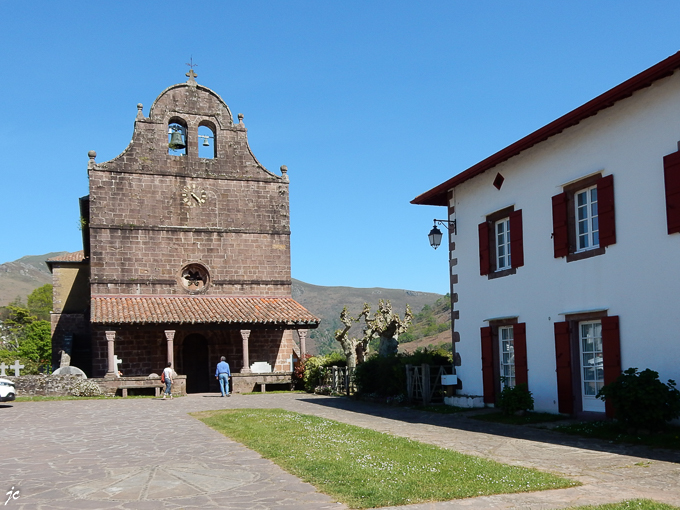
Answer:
(437, 195)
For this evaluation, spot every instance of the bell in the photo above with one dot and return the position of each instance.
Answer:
(176, 141)
(206, 143)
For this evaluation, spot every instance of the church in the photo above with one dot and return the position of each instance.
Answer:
(186, 254)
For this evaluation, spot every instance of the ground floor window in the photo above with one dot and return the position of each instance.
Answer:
(504, 356)
(507, 357)
(592, 370)
(587, 357)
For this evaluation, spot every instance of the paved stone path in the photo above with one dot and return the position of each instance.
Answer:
(139, 454)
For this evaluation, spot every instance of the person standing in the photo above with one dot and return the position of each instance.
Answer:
(167, 376)
(222, 374)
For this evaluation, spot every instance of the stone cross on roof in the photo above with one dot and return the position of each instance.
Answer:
(191, 74)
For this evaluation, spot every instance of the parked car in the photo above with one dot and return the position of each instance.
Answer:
(7, 391)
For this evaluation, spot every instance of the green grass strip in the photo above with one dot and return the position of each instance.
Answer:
(634, 504)
(366, 469)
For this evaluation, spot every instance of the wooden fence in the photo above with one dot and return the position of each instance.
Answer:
(424, 382)
(340, 380)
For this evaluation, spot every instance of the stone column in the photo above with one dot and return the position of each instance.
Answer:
(170, 337)
(110, 339)
(245, 334)
(302, 333)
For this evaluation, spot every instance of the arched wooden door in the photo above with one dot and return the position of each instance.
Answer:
(196, 364)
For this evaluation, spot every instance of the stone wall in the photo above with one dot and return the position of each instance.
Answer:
(46, 385)
(152, 212)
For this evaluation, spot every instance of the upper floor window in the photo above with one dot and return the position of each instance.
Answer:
(501, 246)
(584, 222)
(671, 174)
(502, 228)
(587, 231)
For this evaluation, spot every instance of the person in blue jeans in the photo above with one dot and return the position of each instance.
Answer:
(222, 374)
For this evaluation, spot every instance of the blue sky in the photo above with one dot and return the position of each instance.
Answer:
(368, 103)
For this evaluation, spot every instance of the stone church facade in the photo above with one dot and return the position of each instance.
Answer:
(186, 252)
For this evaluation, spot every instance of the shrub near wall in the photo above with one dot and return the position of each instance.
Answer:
(315, 368)
(30, 367)
(386, 375)
(641, 400)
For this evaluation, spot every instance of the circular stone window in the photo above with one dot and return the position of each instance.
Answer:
(194, 278)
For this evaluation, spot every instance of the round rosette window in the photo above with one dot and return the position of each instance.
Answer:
(194, 278)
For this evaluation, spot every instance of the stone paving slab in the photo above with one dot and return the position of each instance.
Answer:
(142, 454)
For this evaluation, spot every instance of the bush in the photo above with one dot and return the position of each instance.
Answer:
(30, 367)
(514, 399)
(381, 375)
(386, 376)
(86, 388)
(298, 377)
(315, 369)
(36, 343)
(641, 400)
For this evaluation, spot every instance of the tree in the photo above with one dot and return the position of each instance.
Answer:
(36, 341)
(387, 326)
(355, 349)
(24, 334)
(40, 302)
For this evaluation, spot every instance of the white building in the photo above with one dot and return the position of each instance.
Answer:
(565, 259)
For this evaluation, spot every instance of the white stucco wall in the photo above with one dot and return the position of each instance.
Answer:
(638, 278)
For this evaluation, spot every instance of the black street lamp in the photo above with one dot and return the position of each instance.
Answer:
(435, 235)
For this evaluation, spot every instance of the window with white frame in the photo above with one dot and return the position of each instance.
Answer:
(502, 238)
(587, 227)
(592, 369)
(507, 356)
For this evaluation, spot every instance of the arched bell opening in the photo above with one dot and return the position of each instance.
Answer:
(177, 137)
(207, 146)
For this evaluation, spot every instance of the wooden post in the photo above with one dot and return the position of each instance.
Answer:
(409, 383)
(426, 383)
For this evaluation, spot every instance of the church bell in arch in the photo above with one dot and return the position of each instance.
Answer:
(176, 139)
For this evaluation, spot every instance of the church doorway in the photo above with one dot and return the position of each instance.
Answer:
(196, 363)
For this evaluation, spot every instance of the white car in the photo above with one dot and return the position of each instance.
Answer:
(7, 391)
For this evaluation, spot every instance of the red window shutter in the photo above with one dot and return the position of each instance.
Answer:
(484, 255)
(611, 354)
(560, 225)
(605, 210)
(671, 173)
(565, 394)
(519, 331)
(487, 366)
(516, 239)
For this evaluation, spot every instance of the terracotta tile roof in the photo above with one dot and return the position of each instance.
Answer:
(266, 311)
(76, 256)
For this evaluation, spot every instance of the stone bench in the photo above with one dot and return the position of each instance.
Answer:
(156, 386)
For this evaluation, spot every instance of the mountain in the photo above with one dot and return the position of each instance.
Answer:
(21, 277)
(327, 303)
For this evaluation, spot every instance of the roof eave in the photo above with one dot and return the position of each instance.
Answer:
(437, 195)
